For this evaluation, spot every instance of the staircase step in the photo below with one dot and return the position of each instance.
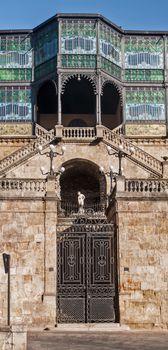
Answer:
(44, 137)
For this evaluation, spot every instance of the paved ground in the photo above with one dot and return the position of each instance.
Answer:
(98, 341)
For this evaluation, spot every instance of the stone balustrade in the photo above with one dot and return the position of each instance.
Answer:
(24, 185)
(43, 138)
(79, 133)
(138, 155)
(119, 130)
(146, 185)
(43, 133)
(113, 138)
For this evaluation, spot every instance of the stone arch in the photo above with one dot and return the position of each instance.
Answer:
(83, 175)
(111, 104)
(118, 88)
(91, 78)
(47, 104)
(78, 100)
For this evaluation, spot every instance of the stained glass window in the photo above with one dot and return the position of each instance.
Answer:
(110, 68)
(15, 51)
(79, 61)
(145, 104)
(110, 44)
(15, 74)
(78, 37)
(144, 52)
(15, 103)
(45, 43)
(144, 75)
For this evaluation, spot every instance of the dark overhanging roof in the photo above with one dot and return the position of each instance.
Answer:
(85, 16)
(15, 31)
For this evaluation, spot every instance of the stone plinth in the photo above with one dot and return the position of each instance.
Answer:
(19, 333)
(99, 131)
(58, 131)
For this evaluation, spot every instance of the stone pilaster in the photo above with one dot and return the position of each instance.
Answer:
(50, 256)
(165, 169)
(58, 131)
(120, 183)
(19, 333)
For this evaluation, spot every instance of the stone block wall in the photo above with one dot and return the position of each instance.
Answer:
(23, 236)
(143, 259)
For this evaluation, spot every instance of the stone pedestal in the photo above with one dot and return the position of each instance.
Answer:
(58, 131)
(120, 183)
(99, 131)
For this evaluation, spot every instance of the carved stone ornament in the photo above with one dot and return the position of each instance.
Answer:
(65, 78)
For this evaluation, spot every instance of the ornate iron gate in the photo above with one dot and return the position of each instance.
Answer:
(85, 284)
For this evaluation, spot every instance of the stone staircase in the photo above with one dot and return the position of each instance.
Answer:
(138, 156)
(43, 137)
(113, 138)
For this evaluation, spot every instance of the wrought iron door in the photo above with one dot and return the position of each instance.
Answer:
(85, 285)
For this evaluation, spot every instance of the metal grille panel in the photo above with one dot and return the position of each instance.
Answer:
(72, 310)
(86, 287)
(101, 310)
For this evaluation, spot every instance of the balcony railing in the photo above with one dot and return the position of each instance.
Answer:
(81, 133)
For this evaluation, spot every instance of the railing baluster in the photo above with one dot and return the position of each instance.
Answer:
(146, 186)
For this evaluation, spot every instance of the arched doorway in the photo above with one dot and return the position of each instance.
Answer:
(86, 250)
(84, 176)
(47, 105)
(78, 102)
(111, 111)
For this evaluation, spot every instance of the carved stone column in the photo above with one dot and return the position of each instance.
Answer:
(98, 101)
(59, 101)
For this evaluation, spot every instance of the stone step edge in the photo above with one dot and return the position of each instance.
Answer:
(101, 327)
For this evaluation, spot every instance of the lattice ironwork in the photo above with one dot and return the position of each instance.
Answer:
(110, 44)
(145, 104)
(15, 103)
(15, 51)
(86, 265)
(144, 52)
(78, 37)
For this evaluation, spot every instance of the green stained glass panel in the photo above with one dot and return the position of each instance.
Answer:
(78, 37)
(15, 51)
(79, 61)
(110, 44)
(111, 68)
(144, 75)
(145, 104)
(144, 52)
(15, 74)
(15, 103)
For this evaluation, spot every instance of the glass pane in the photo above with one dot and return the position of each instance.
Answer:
(15, 103)
(145, 104)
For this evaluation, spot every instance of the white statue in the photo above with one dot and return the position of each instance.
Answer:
(81, 199)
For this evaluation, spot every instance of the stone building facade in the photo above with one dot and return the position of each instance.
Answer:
(79, 94)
